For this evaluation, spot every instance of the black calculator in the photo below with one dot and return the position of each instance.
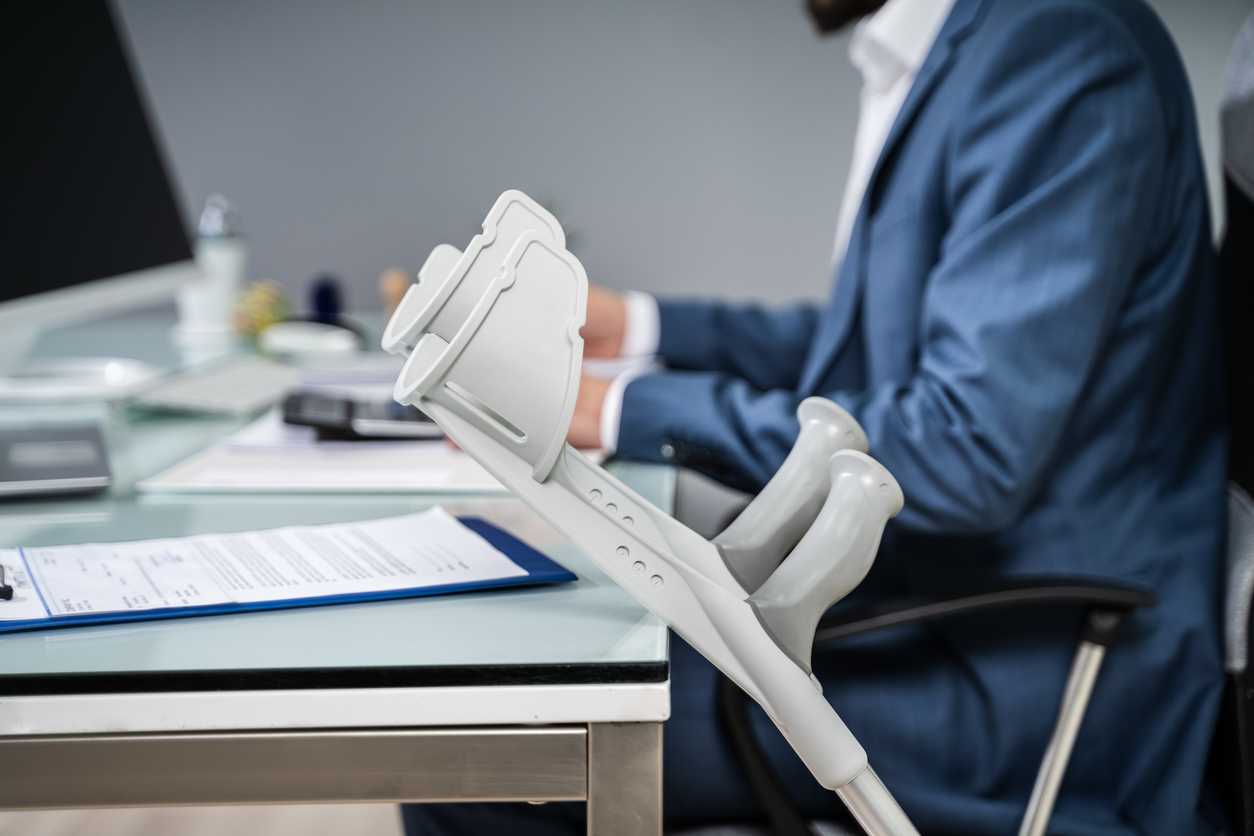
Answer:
(350, 419)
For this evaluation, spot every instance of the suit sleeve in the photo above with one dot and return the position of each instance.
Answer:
(765, 347)
(1055, 161)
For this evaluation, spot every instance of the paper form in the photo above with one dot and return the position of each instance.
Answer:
(277, 478)
(414, 551)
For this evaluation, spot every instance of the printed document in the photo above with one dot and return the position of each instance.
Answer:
(419, 550)
(269, 455)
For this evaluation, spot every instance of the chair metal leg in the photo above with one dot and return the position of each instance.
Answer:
(1075, 700)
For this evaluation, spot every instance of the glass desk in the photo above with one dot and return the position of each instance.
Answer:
(543, 693)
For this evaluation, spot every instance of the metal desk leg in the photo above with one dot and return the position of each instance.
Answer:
(624, 779)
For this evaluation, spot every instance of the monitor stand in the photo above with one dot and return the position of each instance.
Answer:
(59, 379)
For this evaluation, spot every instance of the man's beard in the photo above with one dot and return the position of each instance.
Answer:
(832, 15)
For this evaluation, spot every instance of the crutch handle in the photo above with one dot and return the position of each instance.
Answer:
(834, 555)
(768, 529)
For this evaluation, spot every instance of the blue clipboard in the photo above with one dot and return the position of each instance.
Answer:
(539, 569)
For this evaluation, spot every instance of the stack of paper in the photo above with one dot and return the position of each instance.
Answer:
(271, 456)
(418, 554)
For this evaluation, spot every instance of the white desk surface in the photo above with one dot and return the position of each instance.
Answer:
(580, 652)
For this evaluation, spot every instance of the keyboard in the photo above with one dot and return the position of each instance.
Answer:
(239, 386)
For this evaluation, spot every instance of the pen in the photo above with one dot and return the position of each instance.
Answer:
(6, 591)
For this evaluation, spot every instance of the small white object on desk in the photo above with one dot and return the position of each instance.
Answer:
(222, 255)
(205, 330)
(308, 341)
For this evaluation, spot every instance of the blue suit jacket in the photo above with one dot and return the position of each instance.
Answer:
(1024, 326)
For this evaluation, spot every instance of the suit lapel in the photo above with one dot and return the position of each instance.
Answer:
(962, 19)
(837, 322)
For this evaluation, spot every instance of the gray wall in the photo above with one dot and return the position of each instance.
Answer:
(687, 147)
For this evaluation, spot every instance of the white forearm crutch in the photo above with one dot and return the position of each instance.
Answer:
(492, 337)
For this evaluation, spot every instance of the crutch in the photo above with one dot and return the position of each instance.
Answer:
(494, 357)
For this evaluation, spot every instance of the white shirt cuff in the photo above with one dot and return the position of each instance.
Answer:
(641, 333)
(612, 406)
(642, 330)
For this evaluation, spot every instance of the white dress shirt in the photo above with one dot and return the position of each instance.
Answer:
(888, 48)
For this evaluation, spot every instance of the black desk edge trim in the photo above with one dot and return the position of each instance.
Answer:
(301, 679)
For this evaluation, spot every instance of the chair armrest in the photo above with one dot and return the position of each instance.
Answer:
(1104, 595)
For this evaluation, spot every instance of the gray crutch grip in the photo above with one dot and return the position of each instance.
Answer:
(768, 529)
(834, 555)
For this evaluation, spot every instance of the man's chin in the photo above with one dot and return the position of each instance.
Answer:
(833, 15)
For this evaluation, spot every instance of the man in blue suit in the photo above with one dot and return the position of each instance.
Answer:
(1023, 323)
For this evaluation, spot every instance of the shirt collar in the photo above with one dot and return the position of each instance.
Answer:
(894, 42)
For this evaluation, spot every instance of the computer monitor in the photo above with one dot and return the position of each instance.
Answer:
(89, 223)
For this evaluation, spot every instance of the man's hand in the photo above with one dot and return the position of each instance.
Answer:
(603, 332)
(585, 425)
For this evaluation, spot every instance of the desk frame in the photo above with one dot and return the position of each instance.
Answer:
(210, 742)
(615, 767)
